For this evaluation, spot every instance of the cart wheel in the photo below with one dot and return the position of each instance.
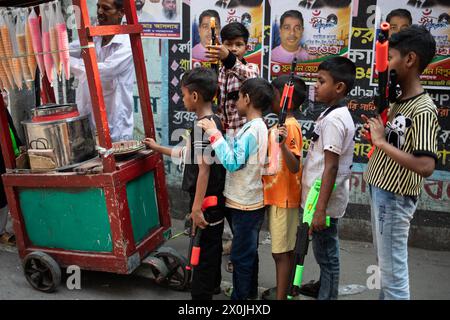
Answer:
(42, 271)
(178, 278)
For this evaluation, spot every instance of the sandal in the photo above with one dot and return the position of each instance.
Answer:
(8, 239)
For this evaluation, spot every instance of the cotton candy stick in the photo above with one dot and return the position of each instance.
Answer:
(48, 59)
(22, 51)
(36, 40)
(63, 42)
(54, 41)
(31, 59)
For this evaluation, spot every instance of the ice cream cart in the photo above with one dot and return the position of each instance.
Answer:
(113, 219)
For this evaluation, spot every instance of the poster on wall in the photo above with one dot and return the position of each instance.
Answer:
(433, 15)
(248, 12)
(160, 18)
(310, 30)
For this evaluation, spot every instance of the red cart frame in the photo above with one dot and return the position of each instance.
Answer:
(126, 255)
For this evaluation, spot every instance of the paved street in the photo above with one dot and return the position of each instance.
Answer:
(429, 273)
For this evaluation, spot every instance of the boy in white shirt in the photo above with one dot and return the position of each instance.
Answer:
(330, 158)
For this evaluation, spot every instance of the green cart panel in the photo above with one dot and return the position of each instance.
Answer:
(141, 195)
(70, 219)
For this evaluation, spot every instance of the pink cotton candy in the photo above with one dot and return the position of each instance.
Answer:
(48, 59)
(35, 31)
(63, 45)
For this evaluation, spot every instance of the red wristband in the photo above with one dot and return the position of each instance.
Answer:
(214, 137)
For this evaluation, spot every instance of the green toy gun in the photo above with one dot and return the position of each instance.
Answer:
(302, 241)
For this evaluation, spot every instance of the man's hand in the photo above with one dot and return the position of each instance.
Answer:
(198, 220)
(318, 223)
(150, 143)
(208, 125)
(216, 52)
(376, 131)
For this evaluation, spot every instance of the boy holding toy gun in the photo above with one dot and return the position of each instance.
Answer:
(328, 163)
(405, 153)
(203, 177)
(282, 184)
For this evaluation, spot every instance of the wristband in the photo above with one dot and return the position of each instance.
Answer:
(214, 137)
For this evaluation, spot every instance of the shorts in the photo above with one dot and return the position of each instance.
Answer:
(283, 223)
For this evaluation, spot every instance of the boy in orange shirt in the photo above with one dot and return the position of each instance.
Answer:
(282, 187)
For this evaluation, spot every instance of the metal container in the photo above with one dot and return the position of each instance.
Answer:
(53, 109)
(70, 140)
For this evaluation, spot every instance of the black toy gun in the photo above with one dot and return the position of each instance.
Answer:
(212, 25)
(387, 81)
(286, 98)
(194, 244)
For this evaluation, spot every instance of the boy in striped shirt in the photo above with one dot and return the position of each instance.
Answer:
(405, 153)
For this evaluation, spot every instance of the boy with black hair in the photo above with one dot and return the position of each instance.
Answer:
(282, 185)
(203, 176)
(398, 20)
(234, 71)
(330, 158)
(405, 153)
(244, 159)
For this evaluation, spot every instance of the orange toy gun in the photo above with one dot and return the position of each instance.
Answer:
(212, 24)
(286, 98)
(194, 245)
(387, 81)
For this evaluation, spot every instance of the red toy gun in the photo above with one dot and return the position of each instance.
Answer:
(286, 98)
(382, 67)
(194, 245)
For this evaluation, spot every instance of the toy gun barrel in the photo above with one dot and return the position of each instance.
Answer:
(286, 98)
(302, 240)
(212, 25)
(194, 244)
(382, 67)
(300, 251)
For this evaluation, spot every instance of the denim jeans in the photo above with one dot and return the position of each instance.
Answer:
(326, 251)
(244, 251)
(391, 216)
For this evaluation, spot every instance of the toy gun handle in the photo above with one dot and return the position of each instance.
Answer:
(382, 66)
(194, 244)
(286, 98)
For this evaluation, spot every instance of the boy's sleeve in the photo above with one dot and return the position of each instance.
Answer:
(333, 135)
(294, 140)
(235, 157)
(425, 130)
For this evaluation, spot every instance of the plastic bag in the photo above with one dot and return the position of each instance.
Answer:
(8, 33)
(48, 59)
(21, 45)
(63, 41)
(31, 58)
(36, 39)
(54, 39)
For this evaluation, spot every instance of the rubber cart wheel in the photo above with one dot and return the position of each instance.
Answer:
(42, 271)
(178, 277)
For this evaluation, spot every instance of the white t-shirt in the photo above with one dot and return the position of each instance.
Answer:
(335, 131)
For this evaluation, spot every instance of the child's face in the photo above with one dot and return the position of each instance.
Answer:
(397, 63)
(237, 46)
(189, 99)
(242, 104)
(276, 101)
(397, 24)
(326, 89)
